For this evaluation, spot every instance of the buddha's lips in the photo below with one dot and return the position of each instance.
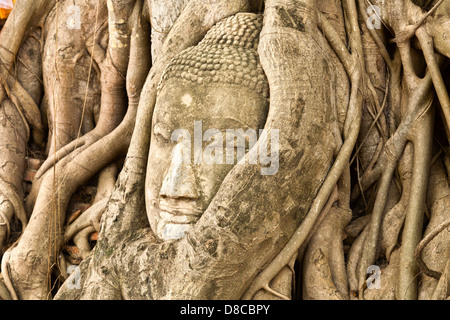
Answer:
(178, 219)
(182, 209)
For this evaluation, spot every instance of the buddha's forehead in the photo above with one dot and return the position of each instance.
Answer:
(221, 106)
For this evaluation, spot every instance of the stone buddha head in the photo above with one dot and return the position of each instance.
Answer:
(208, 91)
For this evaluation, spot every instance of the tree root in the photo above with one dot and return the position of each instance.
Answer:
(106, 181)
(436, 76)
(324, 266)
(263, 279)
(434, 253)
(394, 218)
(6, 214)
(442, 290)
(4, 292)
(412, 233)
(281, 286)
(91, 217)
(6, 276)
(25, 16)
(79, 145)
(371, 241)
(12, 158)
(387, 164)
(355, 227)
(69, 176)
(352, 263)
(387, 281)
(13, 197)
(423, 243)
(64, 155)
(81, 240)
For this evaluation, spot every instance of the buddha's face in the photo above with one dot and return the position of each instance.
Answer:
(181, 176)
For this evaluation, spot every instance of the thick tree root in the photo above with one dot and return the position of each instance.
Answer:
(442, 291)
(384, 283)
(91, 217)
(432, 252)
(81, 240)
(412, 232)
(6, 276)
(12, 163)
(17, 203)
(425, 241)
(324, 266)
(393, 219)
(354, 256)
(6, 214)
(280, 288)
(4, 292)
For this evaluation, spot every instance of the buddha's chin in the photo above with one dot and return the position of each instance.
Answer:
(168, 231)
(172, 226)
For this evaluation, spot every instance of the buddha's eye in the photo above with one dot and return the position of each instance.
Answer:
(162, 132)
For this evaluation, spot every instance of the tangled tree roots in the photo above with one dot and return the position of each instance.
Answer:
(76, 107)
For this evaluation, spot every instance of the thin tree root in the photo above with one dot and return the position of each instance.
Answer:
(419, 104)
(281, 286)
(81, 240)
(91, 217)
(412, 232)
(282, 259)
(352, 263)
(442, 290)
(354, 229)
(426, 43)
(275, 293)
(76, 145)
(4, 292)
(333, 198)
(6, 213)
(17, 203)
(393, 219)
(324, 275)
(5, 275)
(106, 182)
(421, 246)
(371, 241)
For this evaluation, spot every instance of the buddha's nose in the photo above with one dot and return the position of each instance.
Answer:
(180, 182)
